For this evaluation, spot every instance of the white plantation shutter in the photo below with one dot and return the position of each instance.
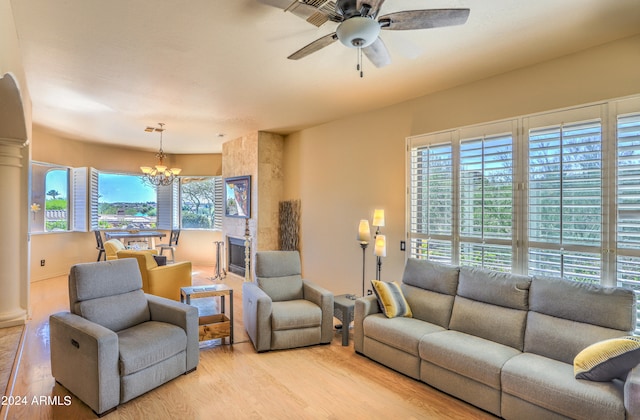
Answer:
(628, 202)
(565, 198)
(219, 203)
(431, 197)
(93, 199)
(168, 202)
(486, 201)
(80, 200)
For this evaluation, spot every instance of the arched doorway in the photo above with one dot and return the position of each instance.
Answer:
(13, 215)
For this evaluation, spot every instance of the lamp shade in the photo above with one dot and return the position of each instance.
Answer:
(378, 217)
(380, 249)
(364, 232)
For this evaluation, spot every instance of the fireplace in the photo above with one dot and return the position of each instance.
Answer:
(236, 255)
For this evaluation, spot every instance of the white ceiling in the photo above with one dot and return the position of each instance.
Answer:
(104, 70)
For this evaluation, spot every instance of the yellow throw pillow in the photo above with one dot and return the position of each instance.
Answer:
(606, 360)
(391, 299)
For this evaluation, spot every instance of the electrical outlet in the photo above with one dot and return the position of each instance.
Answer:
(403, 245)
(369, 292)
(41, 263)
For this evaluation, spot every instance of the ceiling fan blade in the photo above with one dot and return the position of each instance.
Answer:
(424, 19)
(314, 46)
(375, 6)
(310, 12)
(377, 53)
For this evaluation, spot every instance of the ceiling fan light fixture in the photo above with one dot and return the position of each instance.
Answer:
(358, 32)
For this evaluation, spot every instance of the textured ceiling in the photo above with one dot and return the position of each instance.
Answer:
(215, 70)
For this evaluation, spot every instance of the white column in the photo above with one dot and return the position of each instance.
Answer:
(11, 313)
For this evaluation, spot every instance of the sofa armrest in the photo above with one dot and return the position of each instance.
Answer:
(365, 306)
(256, 314)
(84, 359)
(324, 299)
(166, 280)
(632, 393)
(182, 315)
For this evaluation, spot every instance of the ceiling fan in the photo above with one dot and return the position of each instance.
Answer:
(359, 25)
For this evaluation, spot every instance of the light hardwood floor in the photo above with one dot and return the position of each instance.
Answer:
(235, 382)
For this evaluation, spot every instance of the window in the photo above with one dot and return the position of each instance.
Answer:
(50, 197)
(555, 195)
(125, 201)
(565, 201)
(198, 208)
(461, 196)
(122, 201)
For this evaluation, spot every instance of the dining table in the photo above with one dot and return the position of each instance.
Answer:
(129, 236)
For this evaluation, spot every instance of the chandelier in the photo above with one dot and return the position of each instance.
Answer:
(159, 174)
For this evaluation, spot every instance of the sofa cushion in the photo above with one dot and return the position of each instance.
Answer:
(503, 289)
(429, 306)
(604, 306)
(562, 339)
(467, 355)
(431, 276)
(401, 333)
(149, 343)
(391, 299)
(550, 384)
(607, 359)
(496, 323)
(295, 314)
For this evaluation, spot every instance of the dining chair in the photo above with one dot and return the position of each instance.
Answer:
(173, 242)
(100, 245)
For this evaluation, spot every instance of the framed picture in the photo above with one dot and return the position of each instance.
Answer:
(237, 196)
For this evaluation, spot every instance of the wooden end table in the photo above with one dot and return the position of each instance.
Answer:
(343, 306)
(212, 325)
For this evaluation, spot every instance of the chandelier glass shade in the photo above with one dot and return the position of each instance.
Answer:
(159, 174)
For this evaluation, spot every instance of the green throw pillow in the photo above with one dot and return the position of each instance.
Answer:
(391, 299)
(606, 360)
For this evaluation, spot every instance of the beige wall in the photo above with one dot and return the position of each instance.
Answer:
(61, 250)
(345, 169)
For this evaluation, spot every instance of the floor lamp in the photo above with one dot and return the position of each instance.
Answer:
(364, 236)
(380, 250)
(380, 246)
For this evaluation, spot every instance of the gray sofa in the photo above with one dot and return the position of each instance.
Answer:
(503, 342)
(118, 342)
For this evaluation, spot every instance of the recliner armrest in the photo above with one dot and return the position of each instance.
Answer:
(182, 315)
(324, 299)
(256, 314)
(632, 393)
(82, 351)
(364, 306)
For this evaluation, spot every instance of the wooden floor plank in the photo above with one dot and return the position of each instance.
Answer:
(235, 382)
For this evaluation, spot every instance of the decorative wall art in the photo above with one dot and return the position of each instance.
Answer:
(237, 196)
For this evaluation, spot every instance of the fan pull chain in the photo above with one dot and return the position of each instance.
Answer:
(359, 67)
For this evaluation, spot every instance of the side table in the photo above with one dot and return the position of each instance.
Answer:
(343, 306)
(216, 325)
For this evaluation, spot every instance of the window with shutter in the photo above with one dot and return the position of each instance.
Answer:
(565, 200)
(431, 198)
(486, 201)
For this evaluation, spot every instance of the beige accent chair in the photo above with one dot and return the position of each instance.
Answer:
(163, 280)
(118, 342)
(111, 248)
(281, 310)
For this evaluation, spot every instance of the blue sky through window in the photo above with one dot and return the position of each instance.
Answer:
(118, 188)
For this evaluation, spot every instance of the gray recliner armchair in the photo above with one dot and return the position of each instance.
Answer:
(281, 310)
(118, 342)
